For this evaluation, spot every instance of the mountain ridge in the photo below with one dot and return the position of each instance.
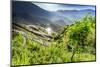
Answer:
(29, 13)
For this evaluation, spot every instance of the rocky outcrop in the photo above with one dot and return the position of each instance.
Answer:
(35, 33)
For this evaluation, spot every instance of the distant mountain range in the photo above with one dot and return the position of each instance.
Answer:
(29, 13)
(76, 14)
(85, 10)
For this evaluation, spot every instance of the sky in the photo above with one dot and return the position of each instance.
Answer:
(55, 7)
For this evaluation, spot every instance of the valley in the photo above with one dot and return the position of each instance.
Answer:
(64, 34)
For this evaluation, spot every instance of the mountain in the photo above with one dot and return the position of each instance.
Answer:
(31, 14)
(76, 14)
(85, 10)
(28, 11)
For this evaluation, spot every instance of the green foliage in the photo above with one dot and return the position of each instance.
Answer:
(81, 34)
(79, 37)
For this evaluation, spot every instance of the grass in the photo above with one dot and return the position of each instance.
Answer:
(79, 37)
(35, 53)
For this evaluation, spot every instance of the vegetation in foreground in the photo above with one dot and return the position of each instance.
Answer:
(74, 43)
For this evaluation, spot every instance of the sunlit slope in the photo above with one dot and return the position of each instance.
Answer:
(33, 44)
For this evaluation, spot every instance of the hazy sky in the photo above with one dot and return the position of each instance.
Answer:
(55, 7)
